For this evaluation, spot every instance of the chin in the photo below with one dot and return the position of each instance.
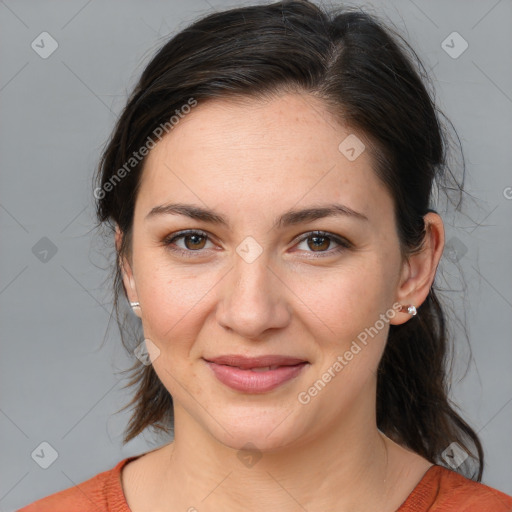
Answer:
(266, 428)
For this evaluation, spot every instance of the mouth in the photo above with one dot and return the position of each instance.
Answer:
(257, 374)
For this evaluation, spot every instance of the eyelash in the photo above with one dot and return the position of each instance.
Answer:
(343, 243)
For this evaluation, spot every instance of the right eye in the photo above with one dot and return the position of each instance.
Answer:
(194, 242)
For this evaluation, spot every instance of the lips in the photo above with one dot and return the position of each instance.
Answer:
(259, 363)
(255, 374)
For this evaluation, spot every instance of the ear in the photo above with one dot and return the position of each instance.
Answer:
(127, 273)
(419, 270)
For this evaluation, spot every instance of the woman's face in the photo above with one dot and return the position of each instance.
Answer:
(261, 282)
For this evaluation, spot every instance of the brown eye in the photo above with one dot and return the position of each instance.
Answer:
(194, 242)
(187, 243)
(319, 242)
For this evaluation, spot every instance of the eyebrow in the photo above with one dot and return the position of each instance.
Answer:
(289, 218)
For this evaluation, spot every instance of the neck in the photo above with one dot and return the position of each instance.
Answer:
(345, 468)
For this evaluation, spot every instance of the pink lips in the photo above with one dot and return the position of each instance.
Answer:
(255, 374)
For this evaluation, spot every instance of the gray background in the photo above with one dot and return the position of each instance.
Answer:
(59, 383)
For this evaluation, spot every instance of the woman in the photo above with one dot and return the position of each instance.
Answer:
(269, 183)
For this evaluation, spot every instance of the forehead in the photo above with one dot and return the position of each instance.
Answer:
(284, 126)
(253, 153)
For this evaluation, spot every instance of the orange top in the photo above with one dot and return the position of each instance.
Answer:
(440, 490)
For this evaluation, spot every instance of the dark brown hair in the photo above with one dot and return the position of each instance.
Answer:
(372, 81)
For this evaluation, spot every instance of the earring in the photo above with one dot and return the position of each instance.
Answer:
(134, 304)
(410, 309)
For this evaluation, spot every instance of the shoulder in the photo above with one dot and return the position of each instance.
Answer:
(102, 493)
(442, 489)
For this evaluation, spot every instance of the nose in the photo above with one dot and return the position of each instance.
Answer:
(254, 299)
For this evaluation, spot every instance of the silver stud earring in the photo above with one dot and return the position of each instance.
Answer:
(134, 304)
(410, 309)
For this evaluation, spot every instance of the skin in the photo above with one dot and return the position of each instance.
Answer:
(251, 161)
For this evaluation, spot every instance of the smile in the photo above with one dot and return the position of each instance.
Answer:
(257, 378)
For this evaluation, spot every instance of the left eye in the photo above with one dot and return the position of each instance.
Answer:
(319, 241)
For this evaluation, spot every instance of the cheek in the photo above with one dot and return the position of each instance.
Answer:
(352, 333)
(345, 302)
(172, 305)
